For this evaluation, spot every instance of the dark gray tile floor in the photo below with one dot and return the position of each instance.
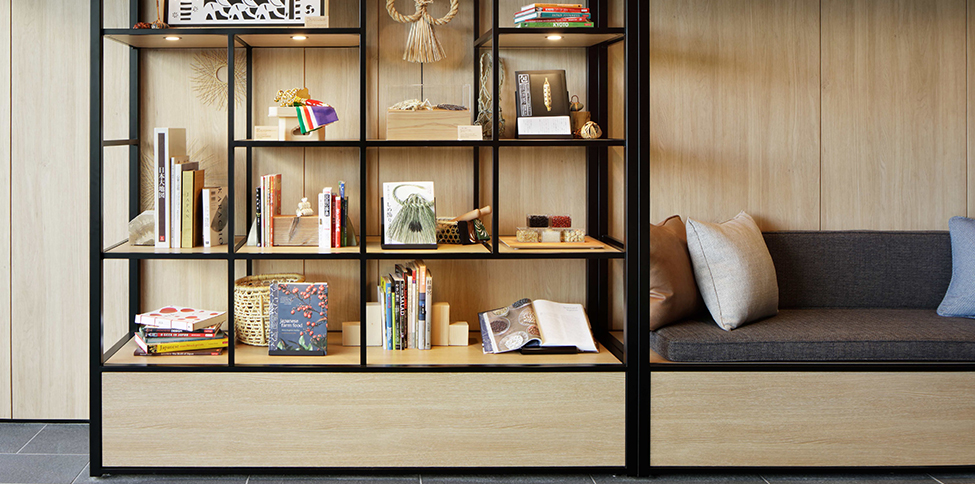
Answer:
(58, 454)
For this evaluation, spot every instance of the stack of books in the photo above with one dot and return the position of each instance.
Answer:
(405, 299)
(334, 221)
(553, 15)
(179, 331)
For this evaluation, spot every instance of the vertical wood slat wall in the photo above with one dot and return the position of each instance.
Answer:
(5, 118)
(812, 114)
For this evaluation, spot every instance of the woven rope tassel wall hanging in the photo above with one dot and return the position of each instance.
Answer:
(422, 44)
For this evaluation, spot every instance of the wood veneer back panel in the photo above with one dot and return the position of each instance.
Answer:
(49, 200)
(5, 234)
(894, 114)
(463, 419)
(735, 111)
(783, 419)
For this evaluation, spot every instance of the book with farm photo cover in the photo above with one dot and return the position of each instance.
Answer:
(298, 319)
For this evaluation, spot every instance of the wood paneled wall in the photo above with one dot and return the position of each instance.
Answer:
(5, 233)
(808, 114)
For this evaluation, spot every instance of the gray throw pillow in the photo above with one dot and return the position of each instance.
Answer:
(734, 270)
(959, 301)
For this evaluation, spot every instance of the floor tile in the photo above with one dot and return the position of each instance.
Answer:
(46, 469)
(85, 478)
(682, 479)
(849, 479)
(13, 436)
(954, 477)
(60, 439)
(507, 479)
(334, 479)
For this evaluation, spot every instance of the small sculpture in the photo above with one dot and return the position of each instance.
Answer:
(575, 105)
(591, 130)
(159, 24)
(413, 105)
(304, 208)
(142, 228)
(422, 45)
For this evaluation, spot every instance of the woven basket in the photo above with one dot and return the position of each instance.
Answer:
(252, 296)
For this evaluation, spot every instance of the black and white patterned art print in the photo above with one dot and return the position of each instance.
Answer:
(181, 13)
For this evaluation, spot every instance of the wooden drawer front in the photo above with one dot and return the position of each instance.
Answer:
(363, 419)
(812, 419)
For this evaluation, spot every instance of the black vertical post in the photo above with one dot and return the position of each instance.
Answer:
(96, 347)
(637, 334)
(476, 90)
(231, 156)
(249, 167)
(363, 262)
(495, 128)
(135, 110)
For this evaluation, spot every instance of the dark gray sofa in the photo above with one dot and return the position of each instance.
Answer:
(843, 296)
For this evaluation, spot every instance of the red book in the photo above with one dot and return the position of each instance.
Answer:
(336, 222)
(566, 19)
(211, 352)
(552, 9)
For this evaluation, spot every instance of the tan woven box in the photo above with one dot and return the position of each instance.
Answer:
(252, 295)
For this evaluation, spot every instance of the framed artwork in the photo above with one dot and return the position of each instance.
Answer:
(186, 13)
(409, 216)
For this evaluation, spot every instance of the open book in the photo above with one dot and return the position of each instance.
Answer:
(535, 323)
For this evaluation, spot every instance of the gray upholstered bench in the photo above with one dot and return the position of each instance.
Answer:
(843, 296)
(856, 370)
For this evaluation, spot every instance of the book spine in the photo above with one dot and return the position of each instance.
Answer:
(561, 19)
(196, 216)
(325, 212)
(276, 203)
(410, 309)
(336, 217)
(546, 25)
(551, 15)
(162, 189)
(176, 204)
(188, 345)
(257, 214)
(186, 211)
(207, 240)
(177, 334)
(397, 318)
(345, 224)
(388, 295)
(551, 9)
(213, 352)
(429, 314)
(552, 5)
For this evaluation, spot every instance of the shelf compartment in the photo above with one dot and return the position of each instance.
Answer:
(125, 357)
(473, 355)
(572, 143)
(343, 143)
(533, 38)
(247, 355)
(338, 38)
(396, 143)
(156, 38)
(444, 251)
(125, 250)
(604, 250)
(312, 252)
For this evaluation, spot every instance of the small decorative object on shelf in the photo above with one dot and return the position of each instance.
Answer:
(178, 331)
(142, 25)
(537, 220)
(228, 12)
(484, 106)
(422, 45)
(573, 235)
(561, 221)
(441, 324)
(416, 119)
(298, 115)
(528, 234)
(459, 333)
(539, 323)
(550, 15)
(409, 216)
(210, 88)
(406, 307)
(543, 104)
(578, 117)
(252, 297)
(142, 229)
(158, 23)
(466, 229)
(298, 319)
(591, 130)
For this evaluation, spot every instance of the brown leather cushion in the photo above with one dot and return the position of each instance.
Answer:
(673, 293)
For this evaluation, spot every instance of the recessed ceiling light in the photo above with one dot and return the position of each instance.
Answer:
(172, 38)
(298, 37)
(554, 37)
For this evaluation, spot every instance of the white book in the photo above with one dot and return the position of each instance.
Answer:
(429, 311)
(214, 217)
(325, 219)
(167, 143)
(178, 164)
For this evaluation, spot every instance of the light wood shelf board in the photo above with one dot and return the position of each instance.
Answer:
(337, 355)
(187, 40)
(128, 248)
(473, 355)
(590, 246)
(125, 357)
(298, 251)
(313, 40)
(373, 246)
(570, 39)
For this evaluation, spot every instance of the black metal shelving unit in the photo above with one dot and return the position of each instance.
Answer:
(632, 352)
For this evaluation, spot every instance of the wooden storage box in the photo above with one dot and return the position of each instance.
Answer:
(288, 124)
(438, 124)
(305, 235)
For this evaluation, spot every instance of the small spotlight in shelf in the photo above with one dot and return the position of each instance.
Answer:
(172, 38)
(554, 37)
(299, 37)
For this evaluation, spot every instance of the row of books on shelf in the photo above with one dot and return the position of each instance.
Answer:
(187, 213)
(181, 331)
(331, 229)
(553, 15)
(406, 302)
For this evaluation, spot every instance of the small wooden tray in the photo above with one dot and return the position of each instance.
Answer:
(590, 243)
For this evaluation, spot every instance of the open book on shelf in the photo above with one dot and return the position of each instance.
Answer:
(541, 323)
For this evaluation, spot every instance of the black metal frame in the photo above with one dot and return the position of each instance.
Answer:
(633, 352)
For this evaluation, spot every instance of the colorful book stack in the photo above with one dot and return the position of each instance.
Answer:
(180, 331)
(179, 203)
(334, 221)
(405, 300)
(553, 15)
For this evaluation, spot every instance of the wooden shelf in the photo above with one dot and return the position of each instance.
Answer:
(125, 357)
(533, 38)
(217, 37)
(374, 248)
(473, 355)
(247, 355)
(156, 39)
(125, 250)
(312, 40)
(618, 335)
(567, 251)
(252, 252)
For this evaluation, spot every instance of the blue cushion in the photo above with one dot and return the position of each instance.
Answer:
(959, 302)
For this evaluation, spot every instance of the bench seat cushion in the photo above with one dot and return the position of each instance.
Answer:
(823, 335)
